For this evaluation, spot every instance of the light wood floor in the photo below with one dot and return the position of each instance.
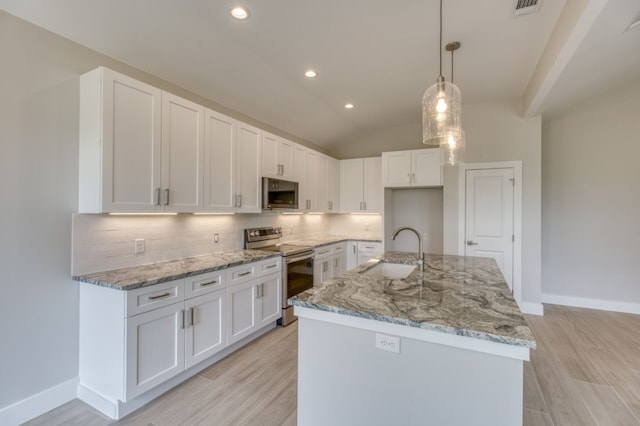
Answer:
(585, 371)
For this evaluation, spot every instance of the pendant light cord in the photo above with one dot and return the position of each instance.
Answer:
(440, 45)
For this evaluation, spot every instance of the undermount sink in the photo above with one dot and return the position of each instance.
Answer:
(392, 271)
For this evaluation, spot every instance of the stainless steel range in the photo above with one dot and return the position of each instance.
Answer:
(297, 275)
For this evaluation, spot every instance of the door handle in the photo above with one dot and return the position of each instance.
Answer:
(471, 243)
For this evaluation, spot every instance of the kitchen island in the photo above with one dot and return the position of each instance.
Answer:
(445, 346)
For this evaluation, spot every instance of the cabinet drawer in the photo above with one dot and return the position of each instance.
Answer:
(369, 247)
(154, 296)
(339, 248)
(205, 283)
(270, 266)
(242, 273)
(324, 251)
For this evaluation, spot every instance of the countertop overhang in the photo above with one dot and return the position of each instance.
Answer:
(466, 297)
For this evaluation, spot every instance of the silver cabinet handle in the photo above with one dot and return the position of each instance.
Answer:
(354, 249)
(166, 197)
(259, 291)
(471, 243)
(239, 200)
(413, 177)
(208, 283)
(271, 266)
(244, 274)
(160, 296)
(335, 263)
(361, 205)
(235, 200)
(182, 318)
(157, 196)
(408, 177)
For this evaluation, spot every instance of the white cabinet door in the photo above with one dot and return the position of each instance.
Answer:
(352, 255)
(426, 167)
(337, 265)
(248, 169)
(269, 303)
(351, 184)
(299, 175)
(182, 154)
(321, 271)
(311, 181)
(322, 183)
(154, 348)
(241, 311)
(205, 332)
(286, 153)
(270, 163)
(120, 144)
(397, 169)
(419, 167)
(220, 162)
(333, 182)
(372, 185)
(277, 157)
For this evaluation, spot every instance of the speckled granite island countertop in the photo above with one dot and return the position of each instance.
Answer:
(155, 273)
(465, 296)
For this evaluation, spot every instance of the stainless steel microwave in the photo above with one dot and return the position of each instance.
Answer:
(279, 194)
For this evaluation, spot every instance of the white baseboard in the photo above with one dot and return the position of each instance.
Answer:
(39, 403)
(583, 302)
(531, 308)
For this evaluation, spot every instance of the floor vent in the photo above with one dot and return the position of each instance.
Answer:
(525, 7)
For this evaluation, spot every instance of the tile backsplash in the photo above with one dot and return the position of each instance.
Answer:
(103, 242)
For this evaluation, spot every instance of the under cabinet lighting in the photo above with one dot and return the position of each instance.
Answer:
(310, 74)
(214, 213)
(143, 214)
(349, 106)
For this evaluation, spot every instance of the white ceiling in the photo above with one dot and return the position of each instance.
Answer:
(380, 55)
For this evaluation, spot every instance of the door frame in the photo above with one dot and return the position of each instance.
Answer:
(517, 214)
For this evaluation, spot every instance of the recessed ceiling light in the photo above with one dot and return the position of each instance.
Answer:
(349, 106)
(310, 74)
(240, 12)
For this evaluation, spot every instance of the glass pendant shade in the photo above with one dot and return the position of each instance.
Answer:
(452, 148)
(441, 112)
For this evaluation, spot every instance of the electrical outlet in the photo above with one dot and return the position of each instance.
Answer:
(139, 247)
(388, 343)
(216, 238)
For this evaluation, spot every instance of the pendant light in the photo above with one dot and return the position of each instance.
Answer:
(453, 146)
(441, 107)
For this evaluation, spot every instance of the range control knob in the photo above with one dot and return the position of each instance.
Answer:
(252, 234)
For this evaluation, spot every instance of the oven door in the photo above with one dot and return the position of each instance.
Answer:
(298, 277)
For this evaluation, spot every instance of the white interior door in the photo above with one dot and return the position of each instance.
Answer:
(489, 217)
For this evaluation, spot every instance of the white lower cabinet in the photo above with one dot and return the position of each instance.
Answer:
(133, 341)
(329, 262)
(252, 304)
(368, 250)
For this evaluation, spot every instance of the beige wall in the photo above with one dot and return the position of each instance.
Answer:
(591, 199)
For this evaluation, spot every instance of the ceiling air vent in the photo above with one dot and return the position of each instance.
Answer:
(525, 7)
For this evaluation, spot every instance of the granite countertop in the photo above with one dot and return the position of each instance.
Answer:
(155, 273)
(459, 295)
(331, 239)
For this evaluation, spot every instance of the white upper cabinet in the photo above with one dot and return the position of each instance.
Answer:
(360, 185)
(182, 155)
(248, 187)
(310, 202)
(120, 144)
(277, 157)
(411, 168)
(219, 162)
(322, 183)
(141, 149)
(333, 185)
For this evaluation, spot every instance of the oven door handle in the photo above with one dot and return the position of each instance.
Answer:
(299, 258)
